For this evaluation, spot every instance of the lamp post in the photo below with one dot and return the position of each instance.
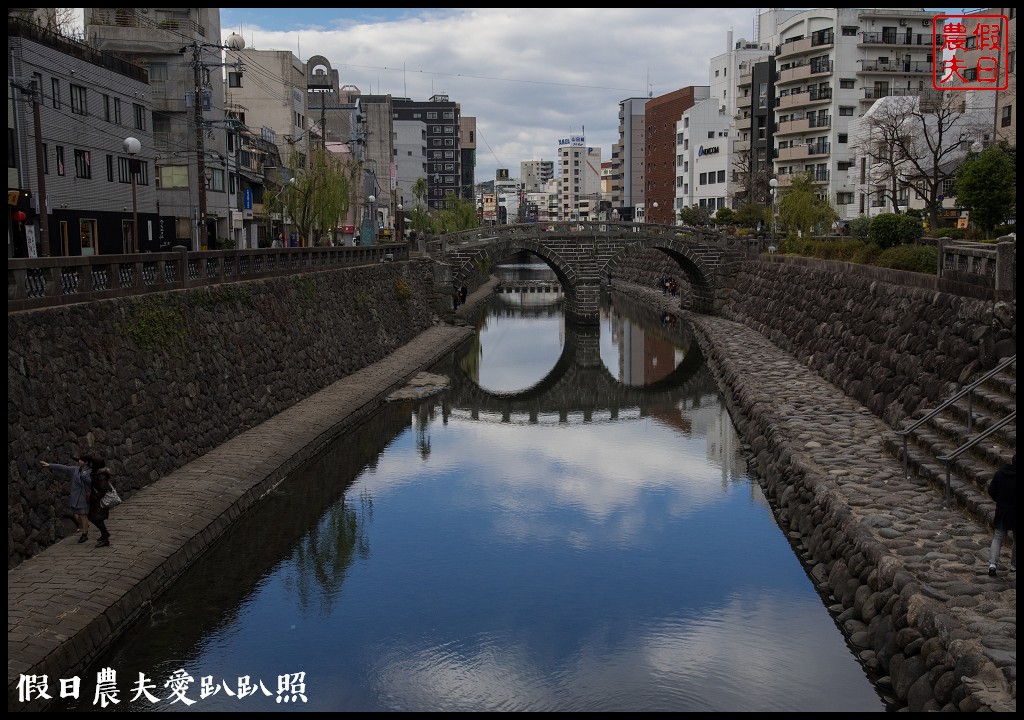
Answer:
(774, 183)
(654, 206)
(132, 146)
(400, 223)
(367, 231)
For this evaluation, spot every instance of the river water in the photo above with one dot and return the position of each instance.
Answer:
(571, 526)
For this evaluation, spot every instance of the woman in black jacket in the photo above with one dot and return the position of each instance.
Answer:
(97, 513)
(1003, 489)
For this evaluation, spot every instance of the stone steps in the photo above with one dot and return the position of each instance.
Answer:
(940, 436)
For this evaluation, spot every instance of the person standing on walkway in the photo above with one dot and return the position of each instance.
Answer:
(81, 487)
(97, 513)
(1003, 489)
(463, 292)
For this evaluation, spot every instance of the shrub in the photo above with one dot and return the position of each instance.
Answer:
(860, 227)
(889, 230)
(914, 258)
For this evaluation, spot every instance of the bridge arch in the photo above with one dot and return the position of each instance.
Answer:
(690, 259)
(584, 256)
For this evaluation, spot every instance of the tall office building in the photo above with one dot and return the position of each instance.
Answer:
(440, 121)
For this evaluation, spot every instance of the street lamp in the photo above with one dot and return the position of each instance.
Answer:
(132, 146)
(654, 206)
(774, 183)
(400, 223)
(368, 230)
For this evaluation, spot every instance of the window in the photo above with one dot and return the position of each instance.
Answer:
(117, 111)
(60, 160)
(847, 84)
(844, 198)
(78, 104)
(841, 138)
(110, 168)
(168, 176)
(234, 79)
(216, 179)
(431, 116)
(849, 30)
(106, 108)
(140, 116)
(157, 72)
(436, 129)
(846, 111)
(1006, 116)
(55, 89)
(721, 176)
(83, 164)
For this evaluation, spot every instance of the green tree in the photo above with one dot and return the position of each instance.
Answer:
(801, 208)
(751, 215)
(725, 216)
(860, 227)
(459, 213)
(695, 216)
(986, 184)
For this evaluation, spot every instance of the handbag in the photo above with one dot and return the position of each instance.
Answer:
(110, 498)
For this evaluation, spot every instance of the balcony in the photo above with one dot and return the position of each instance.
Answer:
(745, 101)
(908, 38)
(902, 67)
(803, 125)
(804, 98)
(872, 94)
(741, 146)
(801, 152)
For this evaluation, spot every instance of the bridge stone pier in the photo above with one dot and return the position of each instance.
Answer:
(584, 255)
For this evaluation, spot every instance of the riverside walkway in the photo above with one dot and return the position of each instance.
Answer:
(62, 611)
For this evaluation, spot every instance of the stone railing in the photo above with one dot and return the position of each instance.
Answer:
(982, 264)
(34, 283)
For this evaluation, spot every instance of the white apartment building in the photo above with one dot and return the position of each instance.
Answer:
(703, 157)
(579, 179)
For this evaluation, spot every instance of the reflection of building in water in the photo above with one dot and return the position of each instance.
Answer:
(644, 358)
(709, 417)
(529, 292)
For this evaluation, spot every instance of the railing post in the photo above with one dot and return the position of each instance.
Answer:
(906, 461)
(970, 411)
(949, 495)
(183, 264)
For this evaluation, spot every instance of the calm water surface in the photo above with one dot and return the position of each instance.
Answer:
(570, 527)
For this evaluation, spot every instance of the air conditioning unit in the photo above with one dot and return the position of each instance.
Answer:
(903, 21)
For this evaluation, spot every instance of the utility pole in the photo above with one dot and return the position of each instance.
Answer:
(197, 111)
(36, 92)
(234, 42)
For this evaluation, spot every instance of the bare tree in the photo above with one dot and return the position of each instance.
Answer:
(61, 21)
(919, 141)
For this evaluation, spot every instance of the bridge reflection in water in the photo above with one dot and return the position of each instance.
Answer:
(584, 537)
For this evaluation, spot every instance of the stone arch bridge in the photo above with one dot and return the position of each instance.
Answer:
(584, 255)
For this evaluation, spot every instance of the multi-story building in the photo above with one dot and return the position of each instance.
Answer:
(579, 179)
(832, 64)
(628, 158)
(1004, 129)
(535, 174)
(73, 178)
(467, 155)
(180, 49)
(440, 118)
(661, 115)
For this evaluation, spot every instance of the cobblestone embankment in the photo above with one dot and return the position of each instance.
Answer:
(907, 577)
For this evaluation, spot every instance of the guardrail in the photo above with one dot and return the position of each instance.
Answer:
(34, 283)
(948, 459)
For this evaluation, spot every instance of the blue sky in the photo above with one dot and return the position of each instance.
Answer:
(530, 76)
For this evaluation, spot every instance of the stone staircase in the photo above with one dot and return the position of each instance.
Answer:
(994, 398)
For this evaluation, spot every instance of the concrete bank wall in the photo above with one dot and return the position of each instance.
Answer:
(153, 382)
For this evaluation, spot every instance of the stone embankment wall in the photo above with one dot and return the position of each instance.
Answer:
(896, 349)
(153, 382)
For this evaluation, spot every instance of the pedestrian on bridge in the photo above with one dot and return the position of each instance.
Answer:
(97, 512)
(1003, 489)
